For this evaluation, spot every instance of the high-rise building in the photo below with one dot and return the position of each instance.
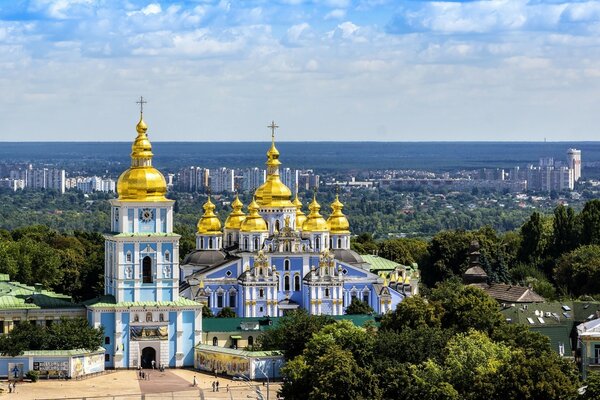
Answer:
(574, 162)
(56, 179)
(222, 180)
(253, 178)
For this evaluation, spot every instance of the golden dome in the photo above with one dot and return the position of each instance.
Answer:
(315, 221)
(237, 216)
(141, 182)
(300, 216)
(273, 193)
(337, 221)
(254, 222)
(209, 223)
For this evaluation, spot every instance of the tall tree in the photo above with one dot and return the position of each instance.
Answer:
(590, 222)
(564, 234)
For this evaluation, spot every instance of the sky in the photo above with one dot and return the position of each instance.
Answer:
(72, 70)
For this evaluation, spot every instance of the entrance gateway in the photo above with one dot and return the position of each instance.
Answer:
(148, 355)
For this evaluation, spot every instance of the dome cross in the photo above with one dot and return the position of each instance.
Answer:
(141, 102)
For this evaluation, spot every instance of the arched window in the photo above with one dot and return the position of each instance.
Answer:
(148, 317)
(286, 265)
(147, 270)
(161, 317)
(167, 256)
(330, 243)
(339, 243)
(261, 293)
(326, 292)
(128, 256)
(250, 341)
(317, 243)
(297, 282)
(210, 243)
(136, 318)
(245, 243)
(255, 243)
(286, 282)
(232, 299)
(229, 239)
(215, 341)
(277, 225)
(366, 296)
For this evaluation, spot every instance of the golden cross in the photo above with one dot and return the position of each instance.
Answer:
(273, 127)
(141, 103)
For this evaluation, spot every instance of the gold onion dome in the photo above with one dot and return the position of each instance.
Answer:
(209, 223)
(315, 221)
(237, 216)
(141, 182)
(254, 222)
(337, 221)
(273, 193)
(300, 216)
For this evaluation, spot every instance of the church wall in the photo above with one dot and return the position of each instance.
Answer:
(125, 336)
(147, 293)
(107, 319)
(166, 293)
(188, 320)
(172, 338)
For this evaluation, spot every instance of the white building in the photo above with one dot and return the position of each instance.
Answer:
(222, 180)
(574, 162)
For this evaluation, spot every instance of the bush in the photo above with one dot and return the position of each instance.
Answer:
(34, 376)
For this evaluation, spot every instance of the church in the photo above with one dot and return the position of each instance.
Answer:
(146, 322)
(275, 257)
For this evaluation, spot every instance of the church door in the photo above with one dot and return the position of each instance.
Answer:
(148, 355)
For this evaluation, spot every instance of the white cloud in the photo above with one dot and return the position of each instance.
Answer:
(151, 9)
(338, 13)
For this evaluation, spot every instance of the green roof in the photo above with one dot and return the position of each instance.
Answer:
(58, 353)
(140, 234)
(16, 295)
(238, 352)
(109, 301)
(379, 263)
(235, 324)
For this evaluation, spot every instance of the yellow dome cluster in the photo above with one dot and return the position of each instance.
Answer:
(337, 221)
(315, 221)
(237, 216)
(209, 223)
(254, 222)
(141, 182)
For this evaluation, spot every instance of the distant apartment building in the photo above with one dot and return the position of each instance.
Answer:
(453, 184)
(222, 180)
(290, 178)
(12, 184)
(574, 163)
(307, 179)
(90, 184)
(193, 179)
(253, 178)
(40, 178)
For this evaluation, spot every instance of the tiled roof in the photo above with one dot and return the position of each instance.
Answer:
(511, 293)
(16, 295)
(59, 353)
(379, 263)
(109, 301)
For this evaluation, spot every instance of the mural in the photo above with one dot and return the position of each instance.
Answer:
(52, 368)
(15, 371)
(149, 333)
(222, 363)
(89, 364)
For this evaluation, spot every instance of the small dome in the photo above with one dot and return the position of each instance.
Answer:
(300, 216)
(315, 221)
(337, 221)
(141, 182)
(237, 216)
(204, 257)
(348, 256)
(254, 222)
(209, 223)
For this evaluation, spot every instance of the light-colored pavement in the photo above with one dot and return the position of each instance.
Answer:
(124, 385)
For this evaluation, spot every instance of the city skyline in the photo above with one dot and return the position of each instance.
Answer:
(334, 70)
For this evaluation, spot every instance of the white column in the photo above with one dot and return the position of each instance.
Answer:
(246, 301)
(320, 297)
(118, 339)
(179, 345)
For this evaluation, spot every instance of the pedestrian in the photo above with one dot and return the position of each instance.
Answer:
(15, 386)
(195, 383)
(228, 388)
(153, 364)
(213, 386)
(217, 386)
(9, 387)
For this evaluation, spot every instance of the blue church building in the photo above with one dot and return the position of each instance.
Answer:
(275, 258)
(146, 321)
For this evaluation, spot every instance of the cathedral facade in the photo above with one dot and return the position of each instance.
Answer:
(146, 322)
(276, 258)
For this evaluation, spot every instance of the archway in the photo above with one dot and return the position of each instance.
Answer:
(148, 355)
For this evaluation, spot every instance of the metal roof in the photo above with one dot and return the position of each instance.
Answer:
(109, 301)
(16, 295)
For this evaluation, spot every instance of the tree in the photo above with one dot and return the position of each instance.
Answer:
(448, 252)
(590, 222)
(404, 250)
(226, 312)
(564, 232)
(207, 312)
(413, 312)
(292, 332)
(359, 307)
(592, 387)
(579, 270)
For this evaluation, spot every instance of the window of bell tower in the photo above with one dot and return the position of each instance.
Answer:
(147, 270)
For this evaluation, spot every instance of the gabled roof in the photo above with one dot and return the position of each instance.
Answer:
(511, 293)
(16, 295)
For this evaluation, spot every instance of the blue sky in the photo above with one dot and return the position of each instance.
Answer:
(322, 69)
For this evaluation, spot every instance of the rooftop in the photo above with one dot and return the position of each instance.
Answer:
(108, 301)
(16, 295)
